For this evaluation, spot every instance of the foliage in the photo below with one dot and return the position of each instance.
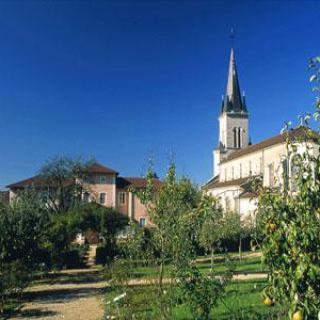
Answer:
(200, 292)
(22, 238)
(74, 257)
(37, 232)
(15, 276)
(62, 180)
(22, 228)
(314, 65)
(139, 244)
(170, 245)
(60, 233)
(111, 222)
(63, 230)
(217, 226)
(291, 245)
(291, 227)
(102, 254)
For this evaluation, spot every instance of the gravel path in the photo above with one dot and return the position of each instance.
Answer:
(72, 295)
(77, 294)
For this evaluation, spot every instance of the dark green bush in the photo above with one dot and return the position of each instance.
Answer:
(14, 277)
(75, 257)
(102, 256)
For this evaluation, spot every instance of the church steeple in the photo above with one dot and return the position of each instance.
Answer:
(233, 119)
(233, 102)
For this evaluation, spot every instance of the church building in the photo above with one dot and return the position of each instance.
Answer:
(237, 162)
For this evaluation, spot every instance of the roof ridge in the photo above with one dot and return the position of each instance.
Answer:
(23, 180)
(98, 164)
(257, 146)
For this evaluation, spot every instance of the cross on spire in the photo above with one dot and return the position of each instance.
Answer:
(232, 37)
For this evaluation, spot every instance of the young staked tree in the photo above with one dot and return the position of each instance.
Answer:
(169, 208)
(212, 233)
(177, 210)
(218, 227)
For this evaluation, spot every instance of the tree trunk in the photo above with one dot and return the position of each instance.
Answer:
(2, 304)
(240, 248)
(161, 276)
(160, 288)
(212, 258)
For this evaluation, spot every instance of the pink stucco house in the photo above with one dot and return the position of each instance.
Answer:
(107, 188)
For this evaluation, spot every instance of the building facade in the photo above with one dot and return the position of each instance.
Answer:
(237, 162)
(103, 185)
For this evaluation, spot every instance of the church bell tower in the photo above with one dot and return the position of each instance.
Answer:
(233, 119)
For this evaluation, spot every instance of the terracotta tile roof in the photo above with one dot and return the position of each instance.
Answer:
(98, 168)
(136, 182)
(122, 182)
(301, 132)
(36, 180)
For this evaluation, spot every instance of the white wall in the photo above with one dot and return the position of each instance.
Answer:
(227, 122)
(260, 162)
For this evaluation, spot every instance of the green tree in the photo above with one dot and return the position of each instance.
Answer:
(63, 181)
(291, 227)
(211, 235)
(23, 226)
(177, 222)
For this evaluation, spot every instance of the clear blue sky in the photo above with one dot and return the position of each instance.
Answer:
(123, 80)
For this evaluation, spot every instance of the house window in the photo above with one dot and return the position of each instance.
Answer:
(250, 168)
(102, 198)
(239, 137)
(122, 198)
(142, 222)
(102, 179)
(235, 137)
(86, 197)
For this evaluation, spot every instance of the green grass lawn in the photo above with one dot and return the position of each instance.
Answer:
(248, 264)
(243, 300)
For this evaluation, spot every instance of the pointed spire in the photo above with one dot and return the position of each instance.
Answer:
(233, 101)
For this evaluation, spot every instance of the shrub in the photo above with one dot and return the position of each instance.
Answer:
(74, 257)
(101, 254)
(14, 277)
(23, 228)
